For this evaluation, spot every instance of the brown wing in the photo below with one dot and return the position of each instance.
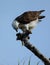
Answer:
(29, 16)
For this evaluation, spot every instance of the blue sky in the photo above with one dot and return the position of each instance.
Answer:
(11, 50)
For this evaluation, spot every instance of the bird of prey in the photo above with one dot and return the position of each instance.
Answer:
(28, 20)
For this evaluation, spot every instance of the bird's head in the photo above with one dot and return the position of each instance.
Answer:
(15, 25)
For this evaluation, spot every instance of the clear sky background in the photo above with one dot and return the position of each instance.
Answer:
(11, 50)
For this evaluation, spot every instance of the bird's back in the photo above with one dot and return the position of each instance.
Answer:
(29, 16)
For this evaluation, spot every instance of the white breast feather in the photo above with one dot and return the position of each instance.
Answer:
(32, 24)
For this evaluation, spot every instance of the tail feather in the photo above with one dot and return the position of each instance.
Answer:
(41, 10)
(41, 17)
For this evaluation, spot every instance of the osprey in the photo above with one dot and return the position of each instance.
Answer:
(28, 20)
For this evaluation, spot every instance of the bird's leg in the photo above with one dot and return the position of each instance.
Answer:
(27, 29)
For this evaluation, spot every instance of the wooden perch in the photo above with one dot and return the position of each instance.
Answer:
(23, 37)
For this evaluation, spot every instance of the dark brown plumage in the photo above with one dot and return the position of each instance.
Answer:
(29, 16)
